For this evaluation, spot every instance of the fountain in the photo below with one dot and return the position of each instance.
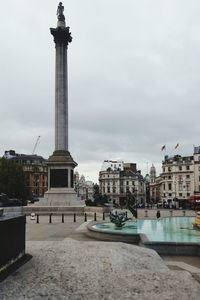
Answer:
(119, 219)
(168, 236)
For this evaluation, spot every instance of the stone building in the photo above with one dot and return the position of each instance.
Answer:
(84, 188)
(180, 177)
(177, 178)
(35, 169)
(116, 178)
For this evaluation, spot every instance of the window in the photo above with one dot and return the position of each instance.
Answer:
(163, 186)
(187, 176)
(187, 186)
(180, 168)
(188, 194)
(121, 190)
(133, 183)
(114, 190)
(199, 178)
(180, 186)
(108, 190)
(169, 186)
(187, 167)
(169, 177)
(169, 194)
(127, 183)
(169, 169)
(180, 194)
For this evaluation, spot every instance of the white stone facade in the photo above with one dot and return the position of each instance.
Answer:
(115, 183)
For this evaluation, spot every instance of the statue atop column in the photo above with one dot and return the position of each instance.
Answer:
(60, 11)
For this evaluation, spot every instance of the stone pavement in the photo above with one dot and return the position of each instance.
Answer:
(67, 264)
(82, 270)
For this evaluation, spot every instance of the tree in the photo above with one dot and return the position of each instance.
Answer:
(12, 180)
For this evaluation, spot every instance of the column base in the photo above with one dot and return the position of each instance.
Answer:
(61, 197)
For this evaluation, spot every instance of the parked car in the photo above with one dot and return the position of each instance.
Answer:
(34, 199)
(6, 201)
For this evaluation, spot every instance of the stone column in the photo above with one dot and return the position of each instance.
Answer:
(61, 164)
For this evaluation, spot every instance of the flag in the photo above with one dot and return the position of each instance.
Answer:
(163, 147)
(177, 145)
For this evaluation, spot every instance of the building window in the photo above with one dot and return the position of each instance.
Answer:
(169, 177)
(180, 186)
(187, 186)
(121, 190)
(188, 194)
(127, 183)
(180, 168)
(169, 169)
(169, 186)
(180, 194)
(114, 190)
(163, 186)
(187, 176)
(169, 194)
(133, 183)
(199, 178)
(108, 189)
(187, 167)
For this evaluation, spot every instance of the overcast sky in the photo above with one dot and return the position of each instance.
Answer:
(134, 79)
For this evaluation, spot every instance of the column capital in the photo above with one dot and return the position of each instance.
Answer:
(61, 35)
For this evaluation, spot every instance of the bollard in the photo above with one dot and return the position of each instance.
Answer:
(85, 220)
(184, 213)
(146, 213)
(37, 218)
(171, 213)
(63, 218)
(103, 216)
(50, 218)
(126, 214)
(95, 216)
(74, 217)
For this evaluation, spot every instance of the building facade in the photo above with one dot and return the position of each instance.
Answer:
(84, 188)
(116, 178)
(35, 169)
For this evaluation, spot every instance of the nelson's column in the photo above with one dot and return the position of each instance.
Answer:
(61, 164)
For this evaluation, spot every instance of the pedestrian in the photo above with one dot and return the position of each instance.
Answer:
(158, 214)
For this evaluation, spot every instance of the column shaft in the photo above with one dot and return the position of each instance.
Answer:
(61, 98)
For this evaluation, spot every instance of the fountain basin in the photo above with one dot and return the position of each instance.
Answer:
(169, 236)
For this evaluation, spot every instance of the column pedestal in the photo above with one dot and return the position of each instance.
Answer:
(60, 181)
